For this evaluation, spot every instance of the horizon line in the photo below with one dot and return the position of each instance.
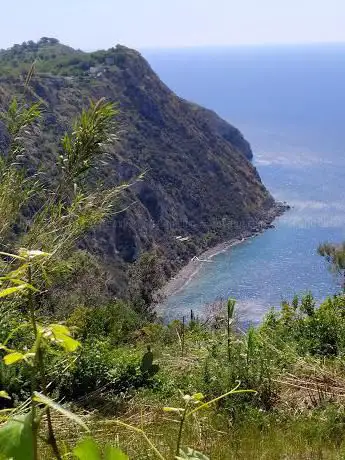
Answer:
(241, 45)
(204, 46)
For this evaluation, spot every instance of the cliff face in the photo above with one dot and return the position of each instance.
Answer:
(199, 183)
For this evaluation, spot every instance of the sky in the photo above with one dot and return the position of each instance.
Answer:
(96, 24)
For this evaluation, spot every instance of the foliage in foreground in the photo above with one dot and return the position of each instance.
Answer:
(68, 211)
(293, 361)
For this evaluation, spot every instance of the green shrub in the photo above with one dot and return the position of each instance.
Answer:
(103, 369)
(307, 328)
(115, 322)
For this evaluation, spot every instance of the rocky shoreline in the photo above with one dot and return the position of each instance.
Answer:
(187, 273)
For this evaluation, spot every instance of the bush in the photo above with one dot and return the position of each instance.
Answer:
(115, 322)
(101, 368)
(309, 329)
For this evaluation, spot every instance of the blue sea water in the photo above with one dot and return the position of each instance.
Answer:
(290, 104)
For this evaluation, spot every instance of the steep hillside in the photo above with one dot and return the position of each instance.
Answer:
(199, 183)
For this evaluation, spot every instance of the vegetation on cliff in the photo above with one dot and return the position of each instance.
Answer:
(198, 181)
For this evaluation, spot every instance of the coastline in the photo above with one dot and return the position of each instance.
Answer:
(184, 276)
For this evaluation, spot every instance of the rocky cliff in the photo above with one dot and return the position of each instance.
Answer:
(199, 187)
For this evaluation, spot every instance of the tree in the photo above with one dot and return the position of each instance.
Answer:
(335, 256)
(146, 277)
(48, 41)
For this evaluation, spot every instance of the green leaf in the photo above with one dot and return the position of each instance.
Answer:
(15, 256)
(4, 394)
(173, 409)
(27, 285)
(87, 449)
(62, 336)
(39, 397)
(20, 283)
(16, 439)
(60, 329)
(114, 453)
(68, 343)
(198, 396)
(13, 290)
(32, 253)
(14, 357)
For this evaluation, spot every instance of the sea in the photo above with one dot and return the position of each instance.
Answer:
(289, 102)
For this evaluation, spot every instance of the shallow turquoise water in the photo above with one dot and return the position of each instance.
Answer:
(275, 265)
(290, 104)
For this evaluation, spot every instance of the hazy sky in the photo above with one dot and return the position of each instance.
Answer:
(92, 24)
